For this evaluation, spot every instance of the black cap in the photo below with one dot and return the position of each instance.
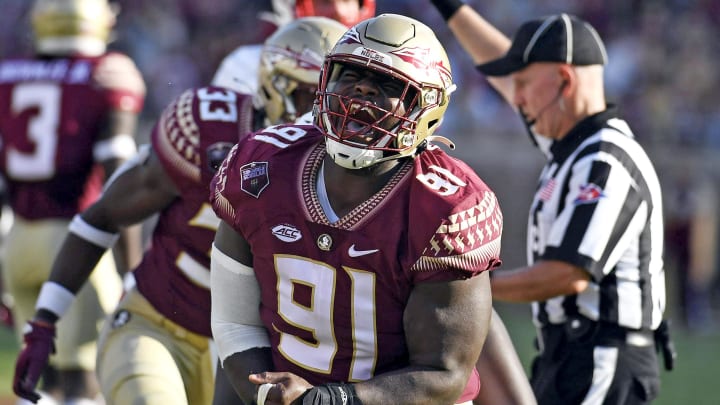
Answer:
(560, 38)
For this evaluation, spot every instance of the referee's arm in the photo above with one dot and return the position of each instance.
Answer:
(543, 280)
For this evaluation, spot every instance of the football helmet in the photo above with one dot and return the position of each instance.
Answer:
(290, 64)
(400, 48)
(305, 8)
(63, 27)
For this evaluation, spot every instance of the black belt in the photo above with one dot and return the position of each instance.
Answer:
(584, 330)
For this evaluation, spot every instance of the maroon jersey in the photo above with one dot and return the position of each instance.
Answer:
(51, 115)
(333, 294)
(175, 272)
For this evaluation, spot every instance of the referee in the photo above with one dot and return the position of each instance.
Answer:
(595, 232)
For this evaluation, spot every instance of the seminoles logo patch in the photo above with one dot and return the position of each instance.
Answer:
(589, 193)
(254, 178)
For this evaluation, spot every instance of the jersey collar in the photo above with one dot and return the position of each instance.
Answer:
(582, 130)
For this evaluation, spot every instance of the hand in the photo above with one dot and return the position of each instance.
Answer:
(286, 387)
(39, 344)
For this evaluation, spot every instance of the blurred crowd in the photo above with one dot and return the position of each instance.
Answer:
(663, 73)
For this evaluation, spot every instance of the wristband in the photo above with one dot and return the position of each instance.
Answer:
(331, 394)
(96, 236)
(120, 146)
(447, 8)
(54, 298)
(263, 392)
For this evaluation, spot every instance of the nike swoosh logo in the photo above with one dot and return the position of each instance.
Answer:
(356, 253)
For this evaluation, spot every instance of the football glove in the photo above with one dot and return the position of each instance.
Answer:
(39, 345)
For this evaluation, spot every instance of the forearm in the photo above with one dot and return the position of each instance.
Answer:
(75, 262)
(413, 385)
(501, 371)
(539, 282)
(481, 40)
(128, 250)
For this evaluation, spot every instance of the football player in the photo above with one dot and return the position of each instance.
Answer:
(236, 68)
(351, 265)
(68, 115)
(156, 346)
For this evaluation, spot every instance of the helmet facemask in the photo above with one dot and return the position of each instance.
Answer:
(407, 58)
(290, 64)
(355, 122)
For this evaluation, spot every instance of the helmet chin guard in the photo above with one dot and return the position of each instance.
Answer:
(351, 157)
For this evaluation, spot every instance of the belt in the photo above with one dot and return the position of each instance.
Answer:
(584, 330)
(608, 332)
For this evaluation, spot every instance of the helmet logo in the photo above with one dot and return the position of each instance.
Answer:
(373, 55)
(423, 59)
(305, 59)
(254, 178)
(350, 37)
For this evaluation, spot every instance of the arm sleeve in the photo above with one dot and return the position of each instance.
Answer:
(235, 315)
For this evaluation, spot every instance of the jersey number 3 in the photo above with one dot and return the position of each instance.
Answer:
(42, 131)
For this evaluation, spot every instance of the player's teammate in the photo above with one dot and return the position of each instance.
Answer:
(156, 346)
(351, 261)
(238, 69)
(67, 119)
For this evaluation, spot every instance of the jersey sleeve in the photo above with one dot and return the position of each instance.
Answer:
(456, 222)
(193, 127)
(121, 82)
(226, 188)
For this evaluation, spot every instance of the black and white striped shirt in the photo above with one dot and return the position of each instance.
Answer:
(598, 205)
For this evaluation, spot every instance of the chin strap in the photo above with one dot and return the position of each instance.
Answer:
(441, 139)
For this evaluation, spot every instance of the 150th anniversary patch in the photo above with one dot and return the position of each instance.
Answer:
(254, 178)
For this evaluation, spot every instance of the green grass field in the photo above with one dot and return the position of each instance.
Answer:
(691, 382)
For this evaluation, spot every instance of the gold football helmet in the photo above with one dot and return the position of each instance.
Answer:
(290, 64)
(400, 48)
(63, 27)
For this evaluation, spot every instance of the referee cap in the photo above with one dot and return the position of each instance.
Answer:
(560, 38)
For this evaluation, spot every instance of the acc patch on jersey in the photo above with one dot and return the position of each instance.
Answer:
(254, 178)
(286, 233)
(589, 193)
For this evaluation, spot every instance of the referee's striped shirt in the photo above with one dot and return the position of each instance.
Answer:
(598, 205)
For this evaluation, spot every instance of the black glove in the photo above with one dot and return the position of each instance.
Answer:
(330, 394)
(664, 343)
(447, 8)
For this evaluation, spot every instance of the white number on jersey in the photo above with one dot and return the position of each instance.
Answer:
(228, 114)
(42, 130)
(441, 180)
(318, 319)
(205, 218)
(285, 133)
